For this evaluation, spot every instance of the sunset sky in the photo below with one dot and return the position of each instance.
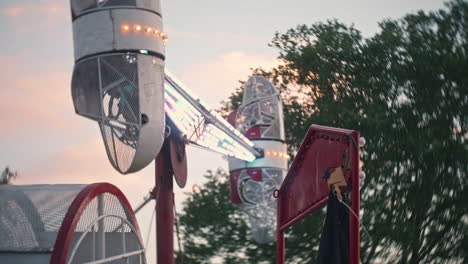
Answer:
(212, 45)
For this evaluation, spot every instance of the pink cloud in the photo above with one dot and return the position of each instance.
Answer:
(29, 16)
(13, 11)
(41, 7)
(37, 100)
(215, 79)
(85, 164)
(79, 163)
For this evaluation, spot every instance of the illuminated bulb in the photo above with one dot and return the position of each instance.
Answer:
(362, 141)
(148, 29)
(156, 32)
(125, 28)
(362, 176)
(268, 153)
(274, 154)
(162, 35)
(137, 28)
(130, 58)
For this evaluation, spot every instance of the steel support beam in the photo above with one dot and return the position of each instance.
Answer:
(164, 207)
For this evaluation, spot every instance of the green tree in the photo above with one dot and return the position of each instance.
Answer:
(213, 228)
(406, 90)
(7, 176)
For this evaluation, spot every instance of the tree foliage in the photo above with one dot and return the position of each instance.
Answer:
(214, 229)
(406, 90)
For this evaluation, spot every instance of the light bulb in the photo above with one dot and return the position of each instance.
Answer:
(125, 28)
(362, 176)
(362, 141)
(130, 58)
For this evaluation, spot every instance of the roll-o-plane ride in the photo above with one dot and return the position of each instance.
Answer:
(144, 113)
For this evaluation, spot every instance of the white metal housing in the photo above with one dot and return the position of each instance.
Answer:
(119, 74)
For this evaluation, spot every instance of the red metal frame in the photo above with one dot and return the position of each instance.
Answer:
(233, 188)
(164, 207)
(304, 189)
(76, 209)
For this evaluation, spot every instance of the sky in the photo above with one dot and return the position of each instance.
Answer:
(212, 45)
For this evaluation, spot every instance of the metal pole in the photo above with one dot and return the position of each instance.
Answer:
(101, 238)
(164, 208)
(354, 238)
(280, 243)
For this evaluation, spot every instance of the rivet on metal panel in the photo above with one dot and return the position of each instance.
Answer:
(167, 131)
(276, 193)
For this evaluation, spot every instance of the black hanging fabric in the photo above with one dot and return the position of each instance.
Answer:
(334, 242)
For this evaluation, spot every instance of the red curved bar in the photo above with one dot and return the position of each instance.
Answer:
(76, 209)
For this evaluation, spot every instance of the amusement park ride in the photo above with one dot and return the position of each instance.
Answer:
(144, 114)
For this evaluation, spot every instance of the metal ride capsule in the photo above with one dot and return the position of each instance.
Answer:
(260, 119)
(119, 74)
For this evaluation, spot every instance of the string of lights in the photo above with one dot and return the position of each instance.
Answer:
(148, 30)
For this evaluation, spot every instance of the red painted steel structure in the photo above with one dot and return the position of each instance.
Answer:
(304, 189)
(76, 209)
(164, 207)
